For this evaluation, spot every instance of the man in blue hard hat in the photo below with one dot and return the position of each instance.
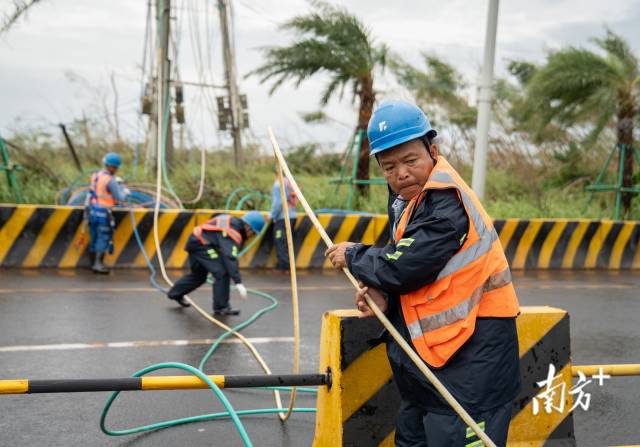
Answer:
(444, 283)
(213, 247)
(106, 190)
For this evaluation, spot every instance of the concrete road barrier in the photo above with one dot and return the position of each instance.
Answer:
(360, 408)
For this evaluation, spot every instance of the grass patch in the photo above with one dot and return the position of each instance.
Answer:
(511, 193)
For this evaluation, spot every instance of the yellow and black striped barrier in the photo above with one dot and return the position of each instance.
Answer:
(360, 407)
(158, 383)
(48, 236)
(570, 244)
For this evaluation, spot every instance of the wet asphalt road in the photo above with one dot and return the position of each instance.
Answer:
(45, 314)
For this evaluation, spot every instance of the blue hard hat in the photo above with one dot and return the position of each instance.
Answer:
(111, 159)
(255, 220)
(394, 123)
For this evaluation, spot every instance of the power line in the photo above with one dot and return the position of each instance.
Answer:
(264, 15)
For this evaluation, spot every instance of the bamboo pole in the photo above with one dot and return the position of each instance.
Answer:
(294, 292)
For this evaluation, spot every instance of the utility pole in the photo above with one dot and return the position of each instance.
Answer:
(485, 97)
(232, 87)
(164, 64)
(161, 118)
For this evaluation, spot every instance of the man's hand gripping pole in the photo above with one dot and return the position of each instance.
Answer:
(376, 310)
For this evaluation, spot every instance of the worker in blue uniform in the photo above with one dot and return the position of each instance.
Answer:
(105, 192)
(213, 248)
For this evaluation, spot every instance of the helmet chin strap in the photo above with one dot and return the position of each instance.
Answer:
(427, 144)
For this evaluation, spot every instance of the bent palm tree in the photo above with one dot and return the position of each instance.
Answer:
(580, 87)
(333, 41)
(439, 88)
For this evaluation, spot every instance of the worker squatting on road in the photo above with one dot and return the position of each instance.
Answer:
(213, 248)
(444, 283)
(106, 190)
(277, 217)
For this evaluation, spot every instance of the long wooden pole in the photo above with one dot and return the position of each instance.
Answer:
(376, 310)
(294, 291)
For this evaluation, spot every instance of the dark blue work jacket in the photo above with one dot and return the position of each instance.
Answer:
(484, 373)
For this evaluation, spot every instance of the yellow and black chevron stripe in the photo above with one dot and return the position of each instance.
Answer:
(44, 236)
(308, 246)
(365, 414)
(570, 244)
(360, 408)
(39, 236)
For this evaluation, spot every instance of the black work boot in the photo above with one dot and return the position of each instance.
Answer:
(181, 301)
(98, 264)
(92, 258)
(226, 311)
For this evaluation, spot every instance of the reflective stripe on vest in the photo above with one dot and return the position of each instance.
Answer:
(477, 249)
(219, 223)
(100, 190)
(460, 311)
(476, 281)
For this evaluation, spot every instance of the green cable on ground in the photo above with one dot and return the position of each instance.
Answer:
(231, 412)
(299, 389)
(254, 317)
(171, 423)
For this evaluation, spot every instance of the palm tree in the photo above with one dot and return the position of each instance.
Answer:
(577, 86)
(439, 90)
(330, 40)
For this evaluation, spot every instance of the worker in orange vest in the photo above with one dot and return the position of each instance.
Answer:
(444, 283)
(214, 248)
(105, 191)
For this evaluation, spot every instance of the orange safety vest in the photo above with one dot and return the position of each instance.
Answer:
(99, 185)
(476, 282)
(220, 223)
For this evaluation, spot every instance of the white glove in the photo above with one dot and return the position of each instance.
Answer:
(242, 290)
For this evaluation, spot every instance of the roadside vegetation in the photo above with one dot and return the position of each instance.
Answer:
(519, 187)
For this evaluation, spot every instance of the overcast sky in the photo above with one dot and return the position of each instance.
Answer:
(93, 38)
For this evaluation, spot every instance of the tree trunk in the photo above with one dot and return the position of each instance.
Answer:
(625, 137)
(367, 99)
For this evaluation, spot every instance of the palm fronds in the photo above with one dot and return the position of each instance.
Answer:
(330, 40)
(20, 8)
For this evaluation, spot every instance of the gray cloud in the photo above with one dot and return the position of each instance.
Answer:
(94, 37)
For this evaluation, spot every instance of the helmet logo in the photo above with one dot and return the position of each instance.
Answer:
(382, 125)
